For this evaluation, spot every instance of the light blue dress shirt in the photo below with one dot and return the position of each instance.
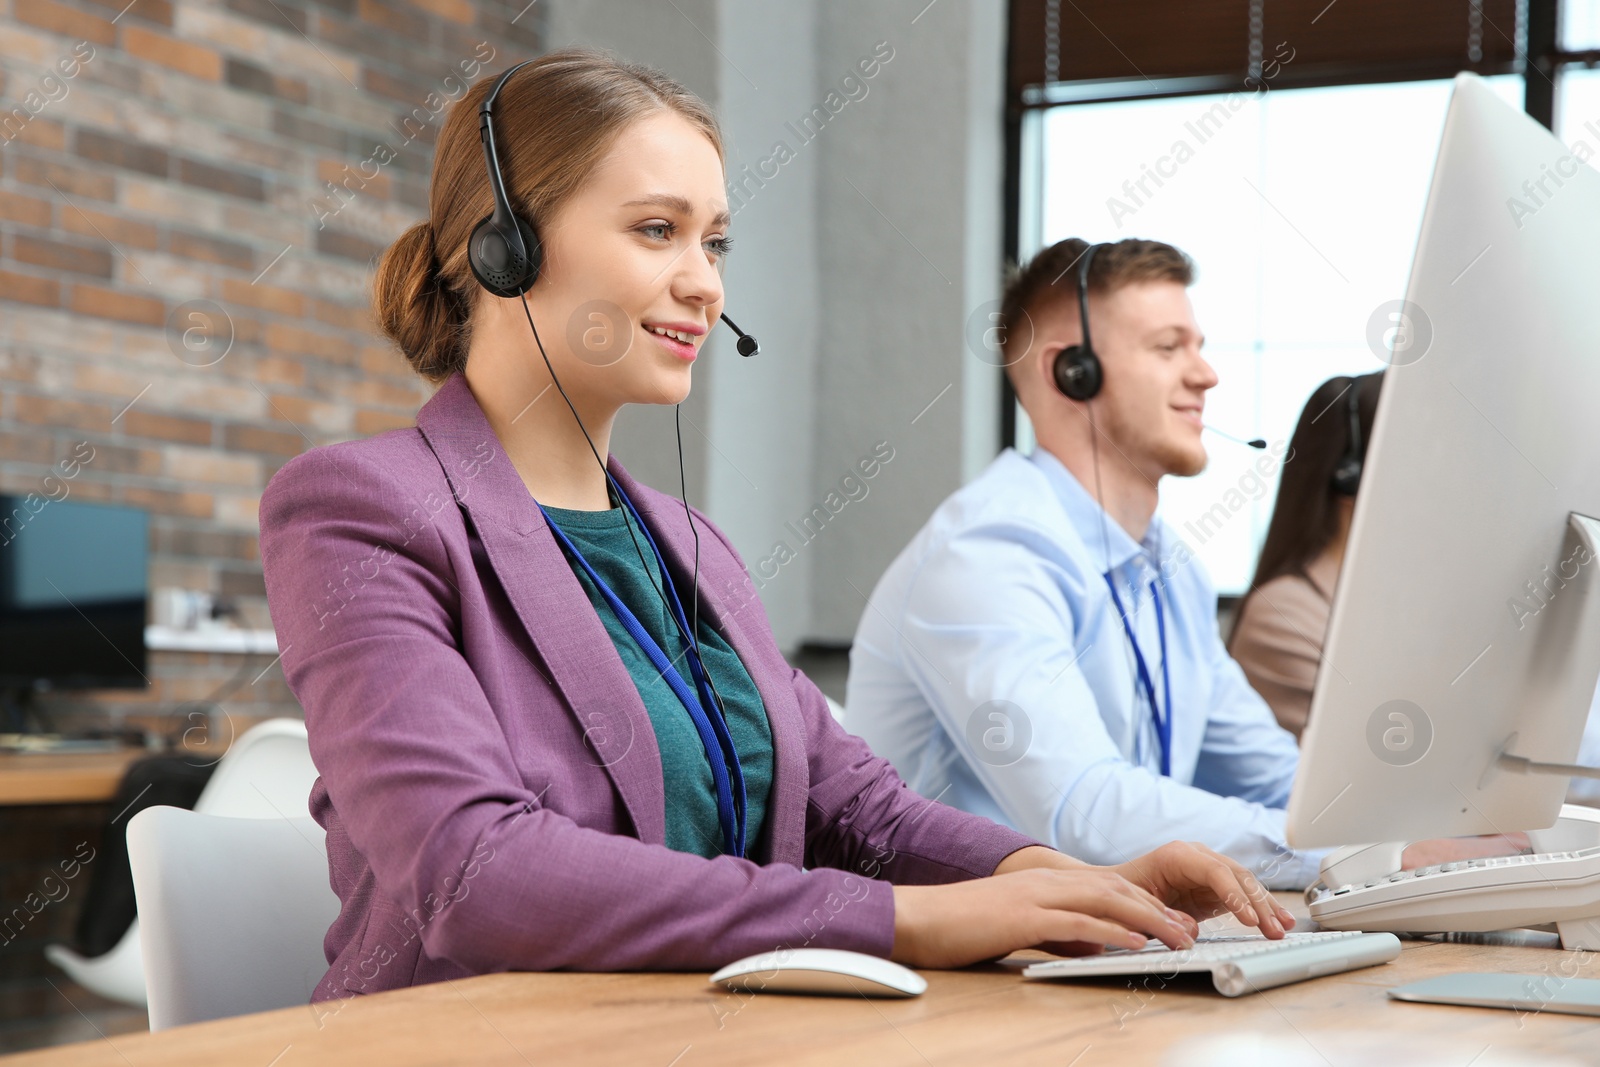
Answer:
(992, 669)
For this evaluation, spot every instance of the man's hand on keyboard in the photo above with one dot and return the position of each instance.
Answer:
(1453, 849)
(1204, 883)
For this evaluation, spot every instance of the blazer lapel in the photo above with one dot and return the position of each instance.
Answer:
(582, 662)
(728, 601)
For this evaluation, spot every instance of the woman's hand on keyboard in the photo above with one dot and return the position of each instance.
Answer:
(1206, 883)
(1067, 910)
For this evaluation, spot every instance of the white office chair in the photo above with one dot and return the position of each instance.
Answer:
(266, 773)
(234, 911)
(836, 708)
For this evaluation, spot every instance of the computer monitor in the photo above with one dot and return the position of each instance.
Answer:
(73, 591)
(1465, 627)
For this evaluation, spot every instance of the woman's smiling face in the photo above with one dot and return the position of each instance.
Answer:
(632, 277)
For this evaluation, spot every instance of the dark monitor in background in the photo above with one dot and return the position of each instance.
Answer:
(73, 592)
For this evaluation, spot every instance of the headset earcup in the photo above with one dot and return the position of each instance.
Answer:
(1077, 373)
(497, 266)
(1347, 476)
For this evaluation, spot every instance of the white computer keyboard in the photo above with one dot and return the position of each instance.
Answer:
(1239, 963)
(1491, 893)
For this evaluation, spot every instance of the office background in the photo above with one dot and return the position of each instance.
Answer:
(192, 193)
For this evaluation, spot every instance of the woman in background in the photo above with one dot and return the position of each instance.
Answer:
(1278, 631)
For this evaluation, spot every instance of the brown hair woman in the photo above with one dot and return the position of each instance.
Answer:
(510, 778)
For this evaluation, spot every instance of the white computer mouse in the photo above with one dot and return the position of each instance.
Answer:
(820, 970)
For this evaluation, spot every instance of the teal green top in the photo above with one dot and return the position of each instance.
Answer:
(691, 797)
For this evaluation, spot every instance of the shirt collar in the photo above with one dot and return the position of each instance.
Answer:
(1085, 514)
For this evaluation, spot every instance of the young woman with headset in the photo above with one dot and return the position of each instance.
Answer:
(552, 724)
(1277, 632)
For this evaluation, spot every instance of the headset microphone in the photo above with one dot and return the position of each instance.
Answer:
(1254, 442)
(748, 346)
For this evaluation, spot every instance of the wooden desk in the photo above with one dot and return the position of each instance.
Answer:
(981, 1015)
(77, 777)
(63, 777)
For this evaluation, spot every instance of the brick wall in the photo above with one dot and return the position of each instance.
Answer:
(191, 197)
(192, 193)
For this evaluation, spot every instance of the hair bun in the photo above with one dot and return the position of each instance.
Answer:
(415, 307)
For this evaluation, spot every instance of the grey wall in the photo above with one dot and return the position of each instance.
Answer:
(862, 245)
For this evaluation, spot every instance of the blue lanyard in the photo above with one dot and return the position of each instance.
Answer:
(1163, 723)
(708, 723)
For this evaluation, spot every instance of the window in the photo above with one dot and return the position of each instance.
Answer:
(1301, 209)
(1286, 147)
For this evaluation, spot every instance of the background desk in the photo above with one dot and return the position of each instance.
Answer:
(63, 777)
(982, 1015)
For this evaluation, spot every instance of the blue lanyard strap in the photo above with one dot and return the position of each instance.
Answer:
(720, 752)
(1162, 722)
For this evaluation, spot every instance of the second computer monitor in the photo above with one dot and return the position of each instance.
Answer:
(1465, 623)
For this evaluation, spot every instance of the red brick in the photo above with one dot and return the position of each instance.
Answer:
(350, 316)
(334, 243)
(64, 20)
(409, 93)
(221, 179)
(395, 17)
(194, 60)
(308, 415)
(167, 502)
(16, 207)
(18, 366)
(245, 75)
(170, 539)
(45, 292)
(110, 379)
(266, 297)
(58, 255)
(284, 337)
(454, 10)
(43, 133)
(344, 176)
(114, 228)
(377, 392)
(212, 465)
(136, 423)
(55, 411)
(121, 459)
(210, 250)
(74, 181)
(120, 152)
(239, 437)
(157, 11)
(126, 307)
(26, 448)
(279, 371)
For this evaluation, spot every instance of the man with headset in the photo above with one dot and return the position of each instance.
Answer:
(1053, 663)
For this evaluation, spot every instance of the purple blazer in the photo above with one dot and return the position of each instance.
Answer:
(490, 785)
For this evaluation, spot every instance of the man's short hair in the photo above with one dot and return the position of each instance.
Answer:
(1052, 276)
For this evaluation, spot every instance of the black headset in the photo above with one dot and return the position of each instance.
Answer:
(504, 250)
(1347, 475)
(1077, 369)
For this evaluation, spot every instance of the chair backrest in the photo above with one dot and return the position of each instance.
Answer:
(232, 912)
(266, 773)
